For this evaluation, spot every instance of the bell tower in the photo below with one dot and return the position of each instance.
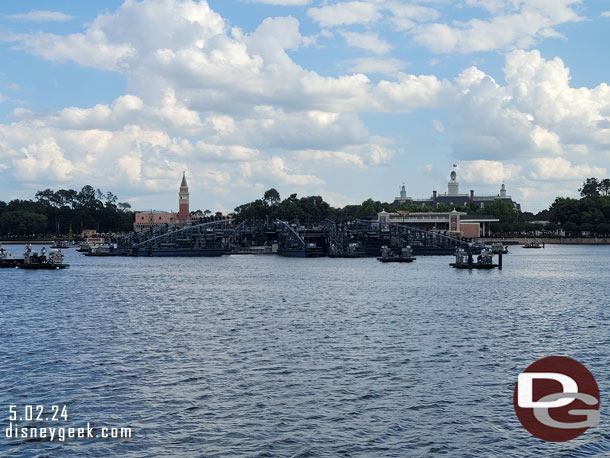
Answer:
(453, 188)
(183, 200)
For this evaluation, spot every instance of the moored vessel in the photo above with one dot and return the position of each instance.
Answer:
(533, 244)
(388, 255)
(465, 260)
(33, 261)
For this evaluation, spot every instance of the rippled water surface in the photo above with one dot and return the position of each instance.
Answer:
(271, 356)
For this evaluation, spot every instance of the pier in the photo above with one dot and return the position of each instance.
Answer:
(351, 239)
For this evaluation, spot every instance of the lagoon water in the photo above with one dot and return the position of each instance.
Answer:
(271, 356)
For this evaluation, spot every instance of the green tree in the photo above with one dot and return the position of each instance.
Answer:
(590, 188)
(604, 187)
(272, 197)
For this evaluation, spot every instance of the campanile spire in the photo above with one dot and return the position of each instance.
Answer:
(183, 200)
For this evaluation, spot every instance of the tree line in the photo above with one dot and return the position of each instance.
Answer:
(313, 209)
(589, 214)
(56, 212)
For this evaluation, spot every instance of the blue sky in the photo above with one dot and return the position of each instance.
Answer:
(345, 99)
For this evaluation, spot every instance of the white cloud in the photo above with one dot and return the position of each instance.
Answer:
(90, 50)
(606, 13)
(410, 92)
(375, 65)
(537, 113)
(282, 2)
(42, 16)
(406, 16)
(235, 108)
(332, 158)
(488, 172)
(42, 161)
(345, 13)
(210, 70)
(367, 41)
(313, 40)
(558, 168)
(123, 39)
(533, 21)
(275, 170)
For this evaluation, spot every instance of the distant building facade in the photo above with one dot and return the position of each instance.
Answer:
(148, 219)
(152, 218)
(458, 224)
(453, 197)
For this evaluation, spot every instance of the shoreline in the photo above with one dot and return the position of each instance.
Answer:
(23, 242)
(547, 241)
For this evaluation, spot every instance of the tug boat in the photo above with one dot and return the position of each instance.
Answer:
(405, 255)
(465, 260)
(34, 261)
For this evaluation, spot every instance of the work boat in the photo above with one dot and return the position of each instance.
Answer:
(34, 261)
(465, 260)
(405, 255)
(533, 244)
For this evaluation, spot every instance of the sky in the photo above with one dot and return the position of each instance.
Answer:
(343, 99)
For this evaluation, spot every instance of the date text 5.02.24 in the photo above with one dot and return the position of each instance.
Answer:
(30, 412)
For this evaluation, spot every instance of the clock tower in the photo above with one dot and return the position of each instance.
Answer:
(183, 200)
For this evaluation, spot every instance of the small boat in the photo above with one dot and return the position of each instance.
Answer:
(34, 261)
(533, 245)
(63, 244)
(405, 255)
(497, 248)
(465, 260)
(84, 247)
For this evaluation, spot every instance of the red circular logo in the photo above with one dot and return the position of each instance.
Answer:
(556, 399)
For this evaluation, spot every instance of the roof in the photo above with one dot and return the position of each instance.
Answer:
(154, 212)
(184, 184)
(479, 218)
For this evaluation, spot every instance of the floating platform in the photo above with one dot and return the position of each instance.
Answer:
(396, 259)
(181, 252)
(465, 260)
(43, 266)
(473, 266)
(10, 263)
